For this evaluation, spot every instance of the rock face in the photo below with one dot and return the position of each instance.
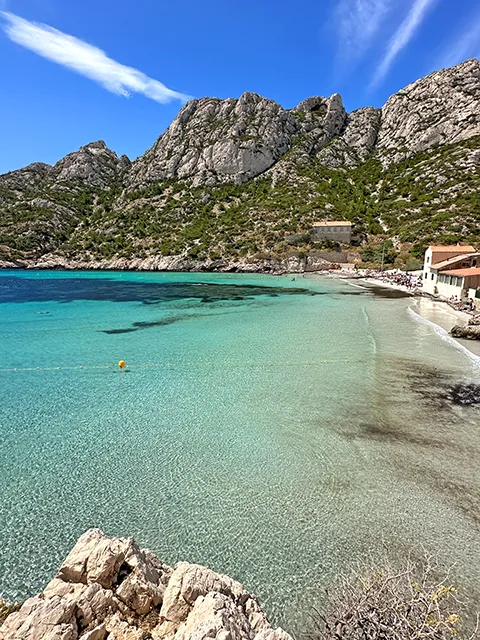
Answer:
(27, 178)
(213, 141)
(442, 108)
(356, 141)
(110, 589)
(470, 331)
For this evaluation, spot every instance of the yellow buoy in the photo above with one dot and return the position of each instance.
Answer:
(121, 364)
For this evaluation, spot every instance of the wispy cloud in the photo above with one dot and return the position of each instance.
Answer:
(466, 45)
(402, 37)
(357, 22)
(85, 59)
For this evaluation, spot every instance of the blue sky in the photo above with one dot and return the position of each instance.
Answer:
(74, 71)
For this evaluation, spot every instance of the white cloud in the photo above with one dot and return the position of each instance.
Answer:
(465, 46)
(357, 22)
(85, 59)
(402, 37)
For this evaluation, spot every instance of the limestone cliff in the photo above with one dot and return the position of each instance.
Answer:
(110, 589)
(442, 108)
(213, 141)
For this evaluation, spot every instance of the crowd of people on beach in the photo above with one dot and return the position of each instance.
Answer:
(396, 277)
(462, 305)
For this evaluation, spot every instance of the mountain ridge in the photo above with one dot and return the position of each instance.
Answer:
(237, 178)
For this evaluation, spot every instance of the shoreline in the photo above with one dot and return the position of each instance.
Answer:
(435, 311)
(268, 266)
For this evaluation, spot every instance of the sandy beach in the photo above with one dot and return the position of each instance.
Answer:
(437, 312)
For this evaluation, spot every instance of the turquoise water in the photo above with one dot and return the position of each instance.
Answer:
(275, 430)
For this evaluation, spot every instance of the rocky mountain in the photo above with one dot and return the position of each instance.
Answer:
(245, 178)
(232, 141)
(93, 165)
(109, 588)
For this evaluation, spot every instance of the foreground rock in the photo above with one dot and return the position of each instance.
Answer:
(464, 394)
(110, 589)
(470, 331)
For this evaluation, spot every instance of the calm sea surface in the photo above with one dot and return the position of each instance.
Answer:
(275, 430)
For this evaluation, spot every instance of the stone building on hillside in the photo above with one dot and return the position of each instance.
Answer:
(451, 271)
(338, 230)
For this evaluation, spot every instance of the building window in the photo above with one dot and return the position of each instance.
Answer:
(428, 259)
(433, 275)
(426, 275)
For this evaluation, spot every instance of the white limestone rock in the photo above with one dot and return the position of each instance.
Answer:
(110, 589)
(219, 141)
(214, 140)
(94, 165)
(441, 108)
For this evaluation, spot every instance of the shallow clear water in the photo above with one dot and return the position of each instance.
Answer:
(276, 431)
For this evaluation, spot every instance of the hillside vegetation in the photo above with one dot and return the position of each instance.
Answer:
(253, 184)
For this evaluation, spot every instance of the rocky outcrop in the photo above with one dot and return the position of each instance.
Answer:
(470, 331)
(213, 141)
(24, 179)
(110, 589)
(355, 142)
(94, 165)
(442, 108)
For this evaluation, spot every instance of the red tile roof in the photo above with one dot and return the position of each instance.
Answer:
(453, 248)
(472, 271)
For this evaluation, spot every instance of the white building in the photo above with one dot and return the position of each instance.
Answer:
(460, 283)
(451, 270)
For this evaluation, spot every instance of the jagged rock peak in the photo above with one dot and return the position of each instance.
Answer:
(109, 588)
(93, 164)
(314, 103)
(318, 104)
(214, 140)
(99, 145)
